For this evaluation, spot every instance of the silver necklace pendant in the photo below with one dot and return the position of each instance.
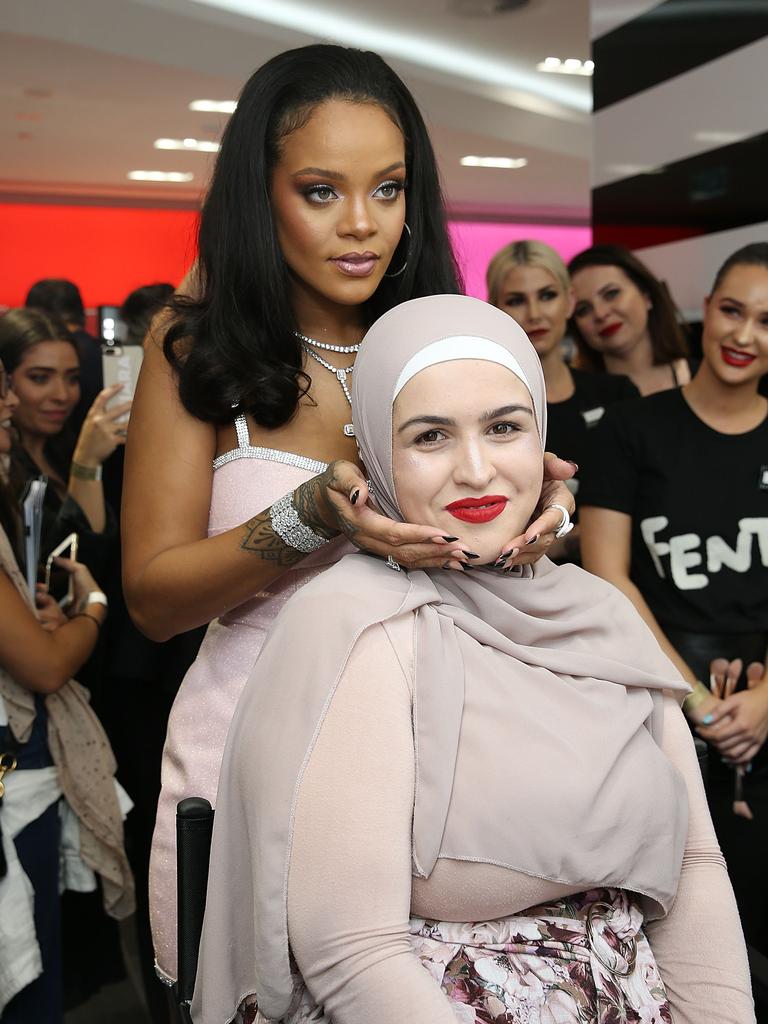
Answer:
(340, 375)
(344, 349)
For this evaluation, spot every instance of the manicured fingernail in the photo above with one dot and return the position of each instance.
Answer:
(354, 496)
(511, 553)
(571, 463)
(471, 554)
(466, 565)
(532, 540)
(499, 563)
(450, 540)
(707, 719)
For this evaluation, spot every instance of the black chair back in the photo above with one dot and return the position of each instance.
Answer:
(194, 828)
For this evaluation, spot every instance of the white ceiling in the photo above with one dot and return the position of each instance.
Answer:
(87, 85)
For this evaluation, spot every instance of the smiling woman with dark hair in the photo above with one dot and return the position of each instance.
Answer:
(625, 321)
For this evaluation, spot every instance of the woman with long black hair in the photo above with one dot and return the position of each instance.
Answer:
(324, 211)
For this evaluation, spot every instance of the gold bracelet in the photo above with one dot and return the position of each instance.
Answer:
(77, 469)
(697, 696)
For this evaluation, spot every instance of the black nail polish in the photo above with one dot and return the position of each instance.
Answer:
(470, 554)
(355, 496)
(533, 539)
(465, 565)
(499, 563)
(449, 540)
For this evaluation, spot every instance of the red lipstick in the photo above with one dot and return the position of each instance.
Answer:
(610, 330)
(537, 332)
(478, 510)
(733, 357)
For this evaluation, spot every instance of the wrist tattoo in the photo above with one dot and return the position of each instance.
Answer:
(260, 538)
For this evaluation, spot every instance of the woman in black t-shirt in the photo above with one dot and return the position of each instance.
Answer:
(674, 512)
(624, 320)
(529, 281)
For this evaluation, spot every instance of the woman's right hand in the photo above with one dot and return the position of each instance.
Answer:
(83, 583)
(101, 432)
(337, 502)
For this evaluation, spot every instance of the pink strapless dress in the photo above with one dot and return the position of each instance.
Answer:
(246, 480)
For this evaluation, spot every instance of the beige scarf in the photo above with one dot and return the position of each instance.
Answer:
(85, 763)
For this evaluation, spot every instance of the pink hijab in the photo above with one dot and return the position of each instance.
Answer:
(553, 672)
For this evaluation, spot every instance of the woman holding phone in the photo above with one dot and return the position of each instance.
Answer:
(43, 364)
(324, 211)
(53, 750)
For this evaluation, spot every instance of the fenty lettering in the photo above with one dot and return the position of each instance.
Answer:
(687, 551)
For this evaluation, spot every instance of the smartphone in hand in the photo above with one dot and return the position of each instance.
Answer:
(120, 365)
(58, 582)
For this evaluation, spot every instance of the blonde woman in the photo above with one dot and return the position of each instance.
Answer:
(529, 281)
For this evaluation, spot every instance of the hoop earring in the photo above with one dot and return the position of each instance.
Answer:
(400, 271)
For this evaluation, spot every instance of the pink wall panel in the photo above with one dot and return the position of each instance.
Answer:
(476, 242)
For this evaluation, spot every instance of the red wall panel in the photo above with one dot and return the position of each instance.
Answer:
(108, 251)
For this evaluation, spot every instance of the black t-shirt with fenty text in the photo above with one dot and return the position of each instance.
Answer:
(699, 506)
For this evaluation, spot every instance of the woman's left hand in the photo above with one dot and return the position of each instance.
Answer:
(739, 724)
(48, 611)
(540, 533)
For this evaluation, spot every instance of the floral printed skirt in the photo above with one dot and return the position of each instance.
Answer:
(583, 960)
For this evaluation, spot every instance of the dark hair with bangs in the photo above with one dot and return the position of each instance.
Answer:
(668, 335)
(753, 255)
(234, 344)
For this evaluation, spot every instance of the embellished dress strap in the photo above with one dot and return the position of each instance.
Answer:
(245, 450)
(243, 436)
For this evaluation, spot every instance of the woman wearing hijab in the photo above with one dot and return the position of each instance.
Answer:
(474, 800)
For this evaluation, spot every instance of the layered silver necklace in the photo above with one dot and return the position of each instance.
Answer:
(309, 344)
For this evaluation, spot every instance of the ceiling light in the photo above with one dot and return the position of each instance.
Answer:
(214, 106)
(190, 145)
(720, 138)
(160, 175)
(630, 170)
(494, 161)
(404, 44)
(569, 66)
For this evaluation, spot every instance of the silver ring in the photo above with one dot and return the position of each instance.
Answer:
(392, 564)
(565, 526)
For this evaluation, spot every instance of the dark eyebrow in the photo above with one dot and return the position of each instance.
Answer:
(727, 298)
(611, 284)
(323, 172)
(446, 421)
(506, 410)
(433, 421)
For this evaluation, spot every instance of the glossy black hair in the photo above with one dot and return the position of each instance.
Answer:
(58, 297)
(233, 345)
(668, 336)
(140, 306)
(753, 255)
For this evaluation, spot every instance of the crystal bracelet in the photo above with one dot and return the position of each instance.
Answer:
(290, 529)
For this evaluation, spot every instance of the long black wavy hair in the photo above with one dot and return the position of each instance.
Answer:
(233, 345)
